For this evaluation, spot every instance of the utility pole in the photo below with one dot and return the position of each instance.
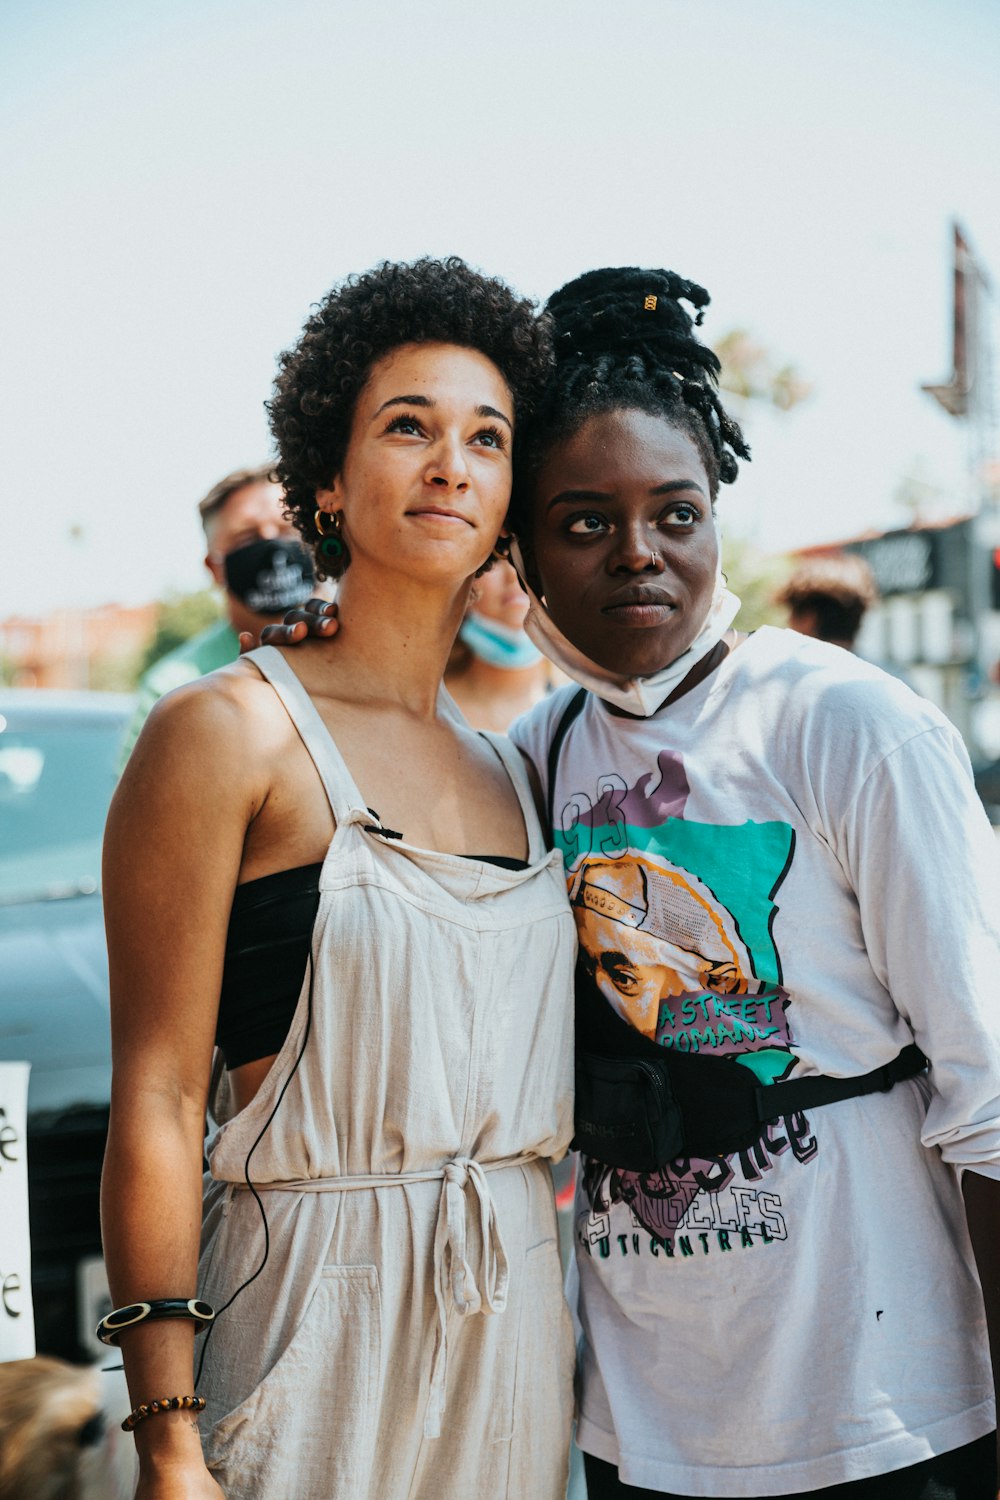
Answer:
(969, 397)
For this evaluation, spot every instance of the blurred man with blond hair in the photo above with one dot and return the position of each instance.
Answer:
(255, 558)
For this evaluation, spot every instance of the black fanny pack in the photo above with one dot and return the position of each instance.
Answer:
(639, 1106)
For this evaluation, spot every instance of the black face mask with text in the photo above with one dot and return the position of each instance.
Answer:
(270, 576)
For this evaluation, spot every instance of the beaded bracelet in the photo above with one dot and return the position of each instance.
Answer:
(166, 1403)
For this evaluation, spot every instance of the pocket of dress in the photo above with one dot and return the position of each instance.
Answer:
(308, 1429)
(538, 1381)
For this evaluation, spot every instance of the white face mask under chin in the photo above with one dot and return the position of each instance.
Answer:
(640, 696)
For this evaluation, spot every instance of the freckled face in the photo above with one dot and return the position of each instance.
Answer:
(623, 542)
(426, 479)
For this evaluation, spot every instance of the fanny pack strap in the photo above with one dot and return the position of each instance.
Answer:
(800, 1094)
(601, 1030)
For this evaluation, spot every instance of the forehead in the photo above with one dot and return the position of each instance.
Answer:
(444, 373)
(619, 449)
(250, 503)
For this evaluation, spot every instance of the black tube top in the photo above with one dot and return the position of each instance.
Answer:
(267, 948)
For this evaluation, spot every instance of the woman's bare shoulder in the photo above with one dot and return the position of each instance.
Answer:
(228, 722)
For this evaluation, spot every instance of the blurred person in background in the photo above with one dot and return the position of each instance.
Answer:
(256, 559)
(828, 597)
(495, 672)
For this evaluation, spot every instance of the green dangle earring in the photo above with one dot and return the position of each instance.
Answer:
(331, 543)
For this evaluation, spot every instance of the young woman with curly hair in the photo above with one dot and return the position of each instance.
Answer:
(322, 871)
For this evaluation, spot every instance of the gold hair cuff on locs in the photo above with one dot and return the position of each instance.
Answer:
(331, 544)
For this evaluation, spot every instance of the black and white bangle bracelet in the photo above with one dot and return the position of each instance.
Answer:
(109, 1328)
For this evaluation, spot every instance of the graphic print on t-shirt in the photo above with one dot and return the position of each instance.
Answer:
(675, 924)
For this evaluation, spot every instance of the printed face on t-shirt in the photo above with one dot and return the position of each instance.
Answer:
(630, 917)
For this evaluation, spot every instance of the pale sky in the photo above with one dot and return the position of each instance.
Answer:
(180, 185)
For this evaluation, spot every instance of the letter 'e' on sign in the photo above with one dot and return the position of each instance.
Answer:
(17, 1321)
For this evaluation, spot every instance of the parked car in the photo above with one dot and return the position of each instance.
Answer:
(59, 757)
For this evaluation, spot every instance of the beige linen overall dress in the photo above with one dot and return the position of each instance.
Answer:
(407, 1338)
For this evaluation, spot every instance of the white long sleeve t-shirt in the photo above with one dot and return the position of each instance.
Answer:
(789, 868)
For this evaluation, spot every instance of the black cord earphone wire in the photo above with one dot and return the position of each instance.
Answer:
(246, 1173)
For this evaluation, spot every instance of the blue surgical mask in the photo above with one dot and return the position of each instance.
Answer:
(497, 645)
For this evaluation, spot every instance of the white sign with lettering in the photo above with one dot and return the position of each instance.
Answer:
(17, 1321)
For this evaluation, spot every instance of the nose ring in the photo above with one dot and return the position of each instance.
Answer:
(653, 559)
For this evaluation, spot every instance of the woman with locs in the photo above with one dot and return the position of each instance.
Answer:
(364, 882)
(784, 887)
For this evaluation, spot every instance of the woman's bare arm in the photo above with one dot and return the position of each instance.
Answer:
(172, 857)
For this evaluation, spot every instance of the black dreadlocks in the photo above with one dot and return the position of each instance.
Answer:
(624, 341)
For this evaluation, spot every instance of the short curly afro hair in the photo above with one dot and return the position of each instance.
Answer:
(357, 324)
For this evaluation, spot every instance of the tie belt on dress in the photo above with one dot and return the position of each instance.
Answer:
(470, 1293)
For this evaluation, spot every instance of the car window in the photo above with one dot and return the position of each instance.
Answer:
(55, 785)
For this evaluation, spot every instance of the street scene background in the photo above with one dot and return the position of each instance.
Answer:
(183, 183)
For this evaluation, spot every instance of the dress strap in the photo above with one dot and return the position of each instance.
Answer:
(345, 800)
(513, 764)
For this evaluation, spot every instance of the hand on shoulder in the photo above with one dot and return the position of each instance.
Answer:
(314, 620)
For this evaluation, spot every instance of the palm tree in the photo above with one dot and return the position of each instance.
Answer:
(751, 372)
